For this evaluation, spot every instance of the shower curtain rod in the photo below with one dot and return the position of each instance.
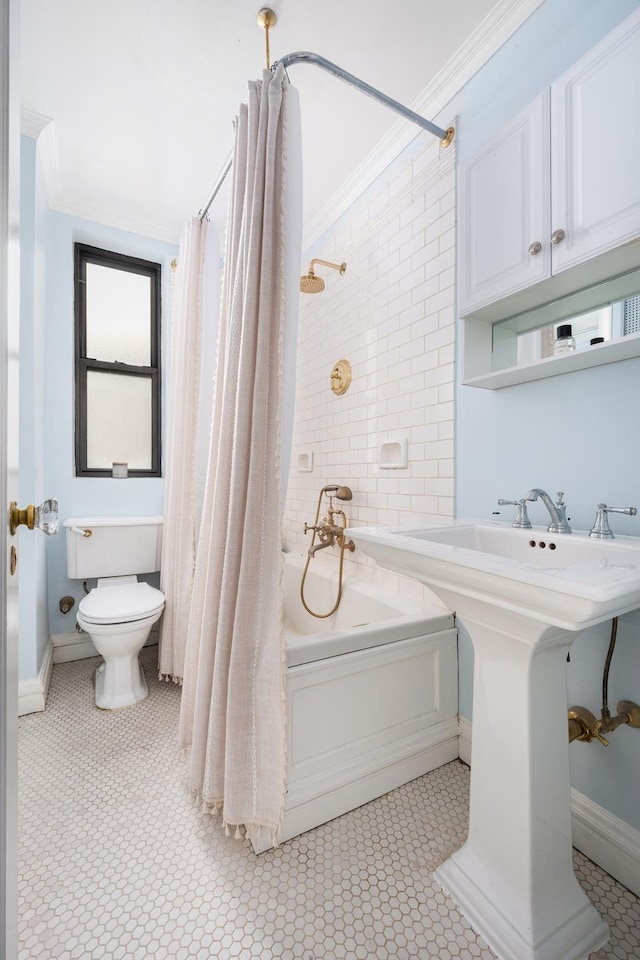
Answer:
(290, 59)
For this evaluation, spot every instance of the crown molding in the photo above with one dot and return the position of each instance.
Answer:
(32, 124)
(49, 163)
(503, 21)
(109, 216)
(42, 129)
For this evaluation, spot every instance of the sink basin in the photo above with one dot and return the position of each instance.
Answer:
(522, 595)
(569, 580)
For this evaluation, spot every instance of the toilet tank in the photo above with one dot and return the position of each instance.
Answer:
(116, 547)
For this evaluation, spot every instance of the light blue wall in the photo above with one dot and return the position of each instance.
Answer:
(34, 630)
(557, 34)
(81, 495)
(575, 432)
(47, 403)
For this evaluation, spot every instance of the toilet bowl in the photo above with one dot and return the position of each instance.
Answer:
(118, 617)
(120, 611)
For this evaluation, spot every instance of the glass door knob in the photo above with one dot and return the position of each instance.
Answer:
(44, 516)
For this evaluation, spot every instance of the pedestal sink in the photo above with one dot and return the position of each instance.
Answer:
(522, 595)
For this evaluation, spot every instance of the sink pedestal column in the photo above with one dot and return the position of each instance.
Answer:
(513, 879)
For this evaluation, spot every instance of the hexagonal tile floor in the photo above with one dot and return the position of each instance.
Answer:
(116, 861)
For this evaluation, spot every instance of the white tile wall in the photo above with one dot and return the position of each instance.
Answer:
(392, 316)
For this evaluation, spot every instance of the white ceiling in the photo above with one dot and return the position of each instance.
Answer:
(143, 92)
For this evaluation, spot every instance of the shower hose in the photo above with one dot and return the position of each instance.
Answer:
(343, 542)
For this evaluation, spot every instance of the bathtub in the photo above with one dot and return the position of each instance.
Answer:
(372, 694)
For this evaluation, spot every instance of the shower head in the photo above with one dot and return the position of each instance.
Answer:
(309, 283)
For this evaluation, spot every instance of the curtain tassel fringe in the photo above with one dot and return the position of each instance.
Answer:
(170, 678)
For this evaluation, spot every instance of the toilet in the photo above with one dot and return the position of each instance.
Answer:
(120, 610)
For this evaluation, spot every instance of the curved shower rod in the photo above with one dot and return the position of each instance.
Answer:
(317, 61)
(290, 59)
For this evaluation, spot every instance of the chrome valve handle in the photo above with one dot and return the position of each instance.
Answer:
(601, 529)
(521, 521)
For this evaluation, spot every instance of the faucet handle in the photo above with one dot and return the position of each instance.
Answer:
(596, 734)
(521, 521)
(601, 529)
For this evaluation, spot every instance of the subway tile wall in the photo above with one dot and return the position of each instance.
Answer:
(392, 316)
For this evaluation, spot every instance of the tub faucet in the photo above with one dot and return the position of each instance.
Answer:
(328, 531)
(557, 510)
(327, 534)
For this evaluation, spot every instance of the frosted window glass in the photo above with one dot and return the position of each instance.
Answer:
(118, 420)
(118, 315)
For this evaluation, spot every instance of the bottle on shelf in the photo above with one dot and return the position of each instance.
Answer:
(564, 342)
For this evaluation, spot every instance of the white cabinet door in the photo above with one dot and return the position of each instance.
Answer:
(503, 197)
(595, 143)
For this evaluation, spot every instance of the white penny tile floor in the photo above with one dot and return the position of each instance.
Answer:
(116, 862)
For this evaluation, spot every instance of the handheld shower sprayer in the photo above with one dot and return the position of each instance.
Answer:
(342, 493)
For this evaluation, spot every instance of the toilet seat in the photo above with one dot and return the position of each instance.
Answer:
(124, 603)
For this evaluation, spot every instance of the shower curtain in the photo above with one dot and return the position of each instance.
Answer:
(232, 712)
(194, 330)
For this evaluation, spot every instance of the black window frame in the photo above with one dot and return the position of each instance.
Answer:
(84, 254)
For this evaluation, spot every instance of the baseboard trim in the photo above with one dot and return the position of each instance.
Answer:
(72, 646)
(607, 840)
(32, 693)
(610, 842)
(464, 741)
(79, 646)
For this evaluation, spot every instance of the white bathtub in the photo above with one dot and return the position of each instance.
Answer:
(372, 694)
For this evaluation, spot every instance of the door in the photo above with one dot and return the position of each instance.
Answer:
(9, 320)
(503, 199)
(595, 144)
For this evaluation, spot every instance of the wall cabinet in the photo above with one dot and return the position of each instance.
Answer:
(558, 189)
(505, 213)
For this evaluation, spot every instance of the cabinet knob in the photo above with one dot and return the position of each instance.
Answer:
(535, 248)
(558, 236)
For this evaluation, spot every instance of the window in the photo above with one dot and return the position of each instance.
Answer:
(117, 339)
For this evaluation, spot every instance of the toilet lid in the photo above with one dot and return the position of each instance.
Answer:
(130, 601)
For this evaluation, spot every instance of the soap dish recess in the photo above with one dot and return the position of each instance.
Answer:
(305, 461)
(393, 454)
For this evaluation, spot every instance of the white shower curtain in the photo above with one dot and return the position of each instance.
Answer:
(180, 511)
(194, 333)
(233, 705)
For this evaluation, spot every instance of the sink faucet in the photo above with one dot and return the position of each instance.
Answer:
(557, 510)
